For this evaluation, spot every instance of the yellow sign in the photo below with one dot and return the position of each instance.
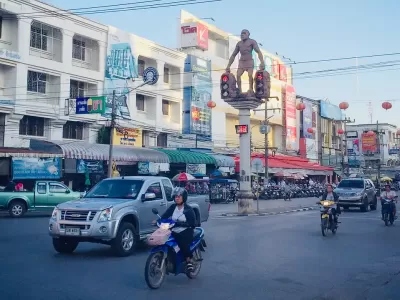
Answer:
(128, 137)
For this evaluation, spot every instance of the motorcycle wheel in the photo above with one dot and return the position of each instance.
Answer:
(391, 220)
(324, 226)
(153, 268)
(386, 219)
(197, 261)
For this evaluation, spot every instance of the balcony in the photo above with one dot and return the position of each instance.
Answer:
(45, 41)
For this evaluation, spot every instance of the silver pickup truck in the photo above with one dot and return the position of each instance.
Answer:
(117, 212)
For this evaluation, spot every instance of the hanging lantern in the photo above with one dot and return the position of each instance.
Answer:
(211, 104)
(300, 106)
(398, 132)
(344, 105)
(386, 105)
(310, 130)
(340, 131)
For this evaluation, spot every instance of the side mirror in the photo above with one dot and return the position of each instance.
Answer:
(155, 211)
(149, 196)
(67, 191)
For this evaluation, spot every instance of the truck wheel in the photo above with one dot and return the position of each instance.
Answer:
(125, 241)
(64, 246)
(17, 208)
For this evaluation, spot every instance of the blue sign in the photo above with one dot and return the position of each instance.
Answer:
(307, 119)
(394, 151)
(196, 94)
(330, 111)
(36, 168)
(90, 166)
(150, 76)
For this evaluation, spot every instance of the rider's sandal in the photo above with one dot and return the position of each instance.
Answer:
(189, 267)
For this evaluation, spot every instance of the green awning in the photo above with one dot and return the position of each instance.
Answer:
(188, 157)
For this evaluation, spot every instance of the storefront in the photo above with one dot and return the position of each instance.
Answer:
(224, 164)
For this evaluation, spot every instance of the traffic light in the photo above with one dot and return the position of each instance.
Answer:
(228, 86)
(262, 85)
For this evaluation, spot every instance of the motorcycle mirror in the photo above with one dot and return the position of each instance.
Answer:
(155, 211)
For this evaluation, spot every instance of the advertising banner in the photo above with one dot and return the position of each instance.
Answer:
(330, 111)
(353, 152)
(90, 105)
(194, 34)
(36, 168)
(307, 119)
(290, 108)
(196, 169)
(121, 65)
(311, 149)
(197, 93)
(128, 137)
(90, 166)
(368, 142)
(148, 168)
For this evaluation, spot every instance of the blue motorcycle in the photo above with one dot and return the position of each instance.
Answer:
(166, 259)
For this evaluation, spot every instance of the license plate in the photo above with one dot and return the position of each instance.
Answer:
(72, 231)
(325, 216)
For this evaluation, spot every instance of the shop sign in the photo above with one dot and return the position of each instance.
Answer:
(36, 168)
(196, 169)
(128, 137)
(90, 105)
(148, 168)
(90, 166)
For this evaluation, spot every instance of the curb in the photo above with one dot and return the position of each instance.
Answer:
(268, 213)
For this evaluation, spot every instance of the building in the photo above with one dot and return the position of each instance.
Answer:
(205, 42)
(44, 61)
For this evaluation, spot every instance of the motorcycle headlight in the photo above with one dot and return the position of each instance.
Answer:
(326, 203)
(105, 215)
(54, 214)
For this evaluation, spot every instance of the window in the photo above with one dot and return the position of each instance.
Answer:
(76, 89)
(141, 67)
(57, 188)
(166, 75)
(41, 188)
(167, 188)
(165, 107)
(33, 126)
(355, 184)
(39, 36)
(140, 102)
(162, 140)
(1, 27)
(37, 82)
(116, 189)
(79, 48)
(73, 130)
(156, 189)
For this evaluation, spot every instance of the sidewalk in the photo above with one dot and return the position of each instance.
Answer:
(266, 206)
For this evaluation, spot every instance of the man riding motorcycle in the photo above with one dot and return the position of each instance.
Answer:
(388, 194)
(332, 196)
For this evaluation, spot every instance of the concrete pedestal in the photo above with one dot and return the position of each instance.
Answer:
(245, 197)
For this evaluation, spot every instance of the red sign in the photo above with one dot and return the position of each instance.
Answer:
(242, 129)
(194, 34)
(282, 73)
(188, 29)
(368, 142)
(202, 36)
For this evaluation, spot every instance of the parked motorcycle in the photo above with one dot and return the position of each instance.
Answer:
(388, 210)
(327, 217)
(167, 258)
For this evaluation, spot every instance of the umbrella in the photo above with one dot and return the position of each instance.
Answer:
(385, 178)
(183, 177)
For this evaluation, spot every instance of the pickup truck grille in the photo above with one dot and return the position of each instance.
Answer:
(77, 215)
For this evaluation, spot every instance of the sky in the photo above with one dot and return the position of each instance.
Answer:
(302, 31)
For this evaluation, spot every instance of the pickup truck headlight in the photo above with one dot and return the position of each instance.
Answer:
(54, 214)
(105, 215)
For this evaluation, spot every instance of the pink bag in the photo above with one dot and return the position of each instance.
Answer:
(158, 237)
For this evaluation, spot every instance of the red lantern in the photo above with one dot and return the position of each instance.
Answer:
(386, 105)
(310, 130)
(398, 132)
(344, 105)
(340, 131)
(300, 106)
(211, 104)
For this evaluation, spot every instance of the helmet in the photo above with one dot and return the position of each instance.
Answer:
(179, 191)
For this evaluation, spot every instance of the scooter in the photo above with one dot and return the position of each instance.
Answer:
(327, 217)
(388, 211)
(167, 258)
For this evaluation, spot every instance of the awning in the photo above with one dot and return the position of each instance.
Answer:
(223, 160)
(188, 157)
(24, 152)
(85, 150)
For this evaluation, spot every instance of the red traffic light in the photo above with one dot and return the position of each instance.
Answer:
(225, 78)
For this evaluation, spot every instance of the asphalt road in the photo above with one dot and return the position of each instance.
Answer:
(273, 257)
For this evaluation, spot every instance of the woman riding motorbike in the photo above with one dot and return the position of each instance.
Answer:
(332, 196)
(388, 194)
(185, 222)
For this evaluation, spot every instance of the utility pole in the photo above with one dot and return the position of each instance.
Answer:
(112, 129)
(344, 147)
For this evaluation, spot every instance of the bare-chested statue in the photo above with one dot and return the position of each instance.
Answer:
(246, 63)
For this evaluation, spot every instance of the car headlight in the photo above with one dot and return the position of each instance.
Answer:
(54, 214)
(105, 215)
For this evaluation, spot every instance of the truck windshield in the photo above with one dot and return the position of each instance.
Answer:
(355, 184)
(122, 188)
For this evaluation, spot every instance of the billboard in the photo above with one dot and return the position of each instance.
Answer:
(36, 168)
(196, 94)
(353, 152)
(128, 137)
(121, 65)
(330, 111)
(289, 97)
(312, 149)
(194, 34)
(368, 142)
(307, 119)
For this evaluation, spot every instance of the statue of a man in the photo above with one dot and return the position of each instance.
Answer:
(246, 63)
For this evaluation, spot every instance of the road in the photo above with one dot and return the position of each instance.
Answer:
(271, 257)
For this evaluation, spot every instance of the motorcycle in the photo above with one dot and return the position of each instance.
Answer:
(327, 217)
(167, 258)
(388, 211)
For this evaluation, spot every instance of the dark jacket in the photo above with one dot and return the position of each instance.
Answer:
(187, 211)
(335, 196)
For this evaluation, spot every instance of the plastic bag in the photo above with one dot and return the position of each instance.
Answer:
(159, 237)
